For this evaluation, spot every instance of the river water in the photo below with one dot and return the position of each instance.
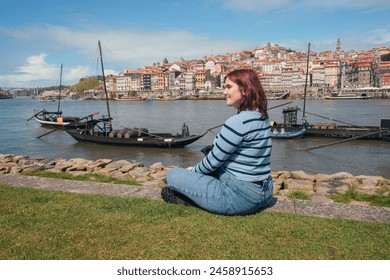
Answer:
(359, 157)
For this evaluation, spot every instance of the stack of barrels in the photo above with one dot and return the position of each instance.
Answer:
(128, 133)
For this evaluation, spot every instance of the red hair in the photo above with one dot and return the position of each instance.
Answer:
(253, 93)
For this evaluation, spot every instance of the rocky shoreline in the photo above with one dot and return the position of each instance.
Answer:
(318, 187)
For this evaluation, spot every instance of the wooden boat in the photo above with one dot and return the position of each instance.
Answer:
(331, 129)
(349, 96)
(135, 98)
(54, 118)
(153, 98)
(283, 134)
(100, 131)
(49, 98)
(346, 130)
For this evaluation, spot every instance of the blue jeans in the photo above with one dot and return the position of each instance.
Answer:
(222, 194)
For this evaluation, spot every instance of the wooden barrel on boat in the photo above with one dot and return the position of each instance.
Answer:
(131, 133)
(121, 132)
(113, 133)
(135, 132)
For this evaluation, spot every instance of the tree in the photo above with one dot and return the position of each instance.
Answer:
(86, 83)
(385, 57)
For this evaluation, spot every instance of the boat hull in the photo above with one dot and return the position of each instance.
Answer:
(66, 121)
(365, 132)
(130, 99)
(158, 140)
(345, 132)
(288, 134)
(56, 120)
(347, 96)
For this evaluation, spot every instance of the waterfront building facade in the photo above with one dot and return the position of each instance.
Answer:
(279, 69)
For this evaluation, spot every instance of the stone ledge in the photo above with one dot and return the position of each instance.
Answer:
(318, 187)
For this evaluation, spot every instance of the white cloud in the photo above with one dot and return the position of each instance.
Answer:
(139, 47)
(122, 48)
(36, 72)
(35, 65)
(263, 6)
(75, 73)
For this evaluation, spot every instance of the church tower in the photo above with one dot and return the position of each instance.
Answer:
(338, 47)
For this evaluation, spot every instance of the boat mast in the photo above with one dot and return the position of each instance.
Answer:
(104, 85)
(59, 95)
(307, 74)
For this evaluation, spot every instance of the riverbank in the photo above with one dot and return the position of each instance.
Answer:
(317, 188)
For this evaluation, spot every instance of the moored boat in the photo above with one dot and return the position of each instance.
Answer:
(135, 98)
(55, 118)
(153, 98)
(342, 95)
(332, 129)
(347, 130)
(49, 98)
(283, 134)
(100, 131)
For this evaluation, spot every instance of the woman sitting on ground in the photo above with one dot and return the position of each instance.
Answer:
(234, 178)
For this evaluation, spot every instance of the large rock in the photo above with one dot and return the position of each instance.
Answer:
(117, 164)
(18, 159)
(281, 174)
(60, 164)
(6, 167)
(321, 177)
(157, 166)
(131, 166)
(93, 166)
(4, 158)
(369, 184)
(160, 175)
(33, 167)
(341, 176)
(301, 175)
(298, 185)
(136, 174)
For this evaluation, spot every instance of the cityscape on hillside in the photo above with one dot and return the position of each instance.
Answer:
(281, 70)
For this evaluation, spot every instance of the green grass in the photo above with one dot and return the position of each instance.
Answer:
(86, 177)
(298, 195)
(380, 199)
(373, 199)
(41, 224)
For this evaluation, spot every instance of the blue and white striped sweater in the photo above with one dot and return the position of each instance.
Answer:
(242, 148)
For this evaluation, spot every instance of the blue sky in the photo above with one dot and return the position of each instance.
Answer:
(37, 36)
